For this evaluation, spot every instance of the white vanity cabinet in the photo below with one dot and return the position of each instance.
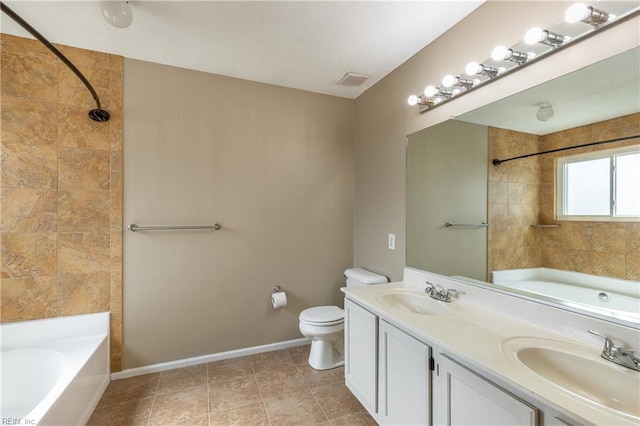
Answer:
(464, 398)
(361, 354)
(404, 379)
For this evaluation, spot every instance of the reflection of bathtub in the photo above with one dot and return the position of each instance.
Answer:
(616, 297)
(53, 371)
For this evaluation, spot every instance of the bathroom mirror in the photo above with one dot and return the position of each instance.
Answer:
(517, 199)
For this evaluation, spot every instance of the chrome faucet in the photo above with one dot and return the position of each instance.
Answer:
(622, 356)
(438, 293)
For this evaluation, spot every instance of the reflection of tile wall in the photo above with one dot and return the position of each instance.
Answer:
(602, 248)
(60, 186)
(513, 202)
(522, 192)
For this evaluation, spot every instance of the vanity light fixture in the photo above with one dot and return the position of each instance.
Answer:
(116, 12)
(502, 53)
(580, 12)
(474, 68)
(451, 81)
(537, 35)
(505, 60)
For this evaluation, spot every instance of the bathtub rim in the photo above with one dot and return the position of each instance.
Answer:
(603, 314)
(58, 334)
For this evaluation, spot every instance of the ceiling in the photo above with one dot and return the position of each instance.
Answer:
(307, 45)
(601, 91)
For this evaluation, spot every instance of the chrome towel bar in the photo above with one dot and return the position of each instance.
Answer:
(479, 225)
(133, 227)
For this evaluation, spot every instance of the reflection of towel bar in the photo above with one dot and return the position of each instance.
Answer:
(133, 227)
(479, 225)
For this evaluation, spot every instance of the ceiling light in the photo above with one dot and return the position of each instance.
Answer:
(545, 112)
(474, 68)
(116, 12)
(501, 53)
(587, 14)
(537, 35)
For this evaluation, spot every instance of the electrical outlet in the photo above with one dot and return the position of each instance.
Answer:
(392, 241)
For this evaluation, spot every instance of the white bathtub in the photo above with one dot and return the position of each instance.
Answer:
(53, 371)
(611, 296)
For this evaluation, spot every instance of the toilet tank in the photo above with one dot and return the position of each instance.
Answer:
(359, 276)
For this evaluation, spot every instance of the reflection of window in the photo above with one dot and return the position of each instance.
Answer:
(602, 185)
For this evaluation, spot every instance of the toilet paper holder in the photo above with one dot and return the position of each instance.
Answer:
(276, 288)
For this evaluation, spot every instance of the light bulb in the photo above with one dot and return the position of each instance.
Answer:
(499, 53)
(577, 13)
(537, 35)
(473, 68)
(448, 80)
(413, 100)
(580, 12)
(430, 91)
(118, 13)
(533, 36)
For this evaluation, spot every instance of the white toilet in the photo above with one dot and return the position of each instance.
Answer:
(324, 325)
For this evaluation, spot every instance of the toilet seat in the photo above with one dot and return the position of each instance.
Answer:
(322, 316)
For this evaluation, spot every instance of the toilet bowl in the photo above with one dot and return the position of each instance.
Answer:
(324, 325)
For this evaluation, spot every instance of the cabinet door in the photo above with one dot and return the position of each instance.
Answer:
(404, 396)
(465, 398)
(361, 360)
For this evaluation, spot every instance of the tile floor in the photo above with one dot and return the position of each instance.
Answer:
(272, 388)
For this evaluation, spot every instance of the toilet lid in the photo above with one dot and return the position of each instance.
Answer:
(322, 314)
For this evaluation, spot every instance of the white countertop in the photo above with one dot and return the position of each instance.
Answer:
(474, 333)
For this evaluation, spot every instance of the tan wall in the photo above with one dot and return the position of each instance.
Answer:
(522, 193)
(447, 182)
(273, 166)
(61, 186)
(383, 118)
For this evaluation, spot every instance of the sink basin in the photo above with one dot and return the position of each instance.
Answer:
(416, 302)
(580, 372)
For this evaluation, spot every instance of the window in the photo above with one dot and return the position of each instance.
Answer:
(599, 186)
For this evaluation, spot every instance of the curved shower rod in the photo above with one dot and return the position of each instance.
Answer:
(97, 114)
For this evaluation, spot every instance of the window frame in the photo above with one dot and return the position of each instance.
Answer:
(594, 155)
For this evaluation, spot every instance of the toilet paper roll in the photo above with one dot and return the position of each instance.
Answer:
(279, 299)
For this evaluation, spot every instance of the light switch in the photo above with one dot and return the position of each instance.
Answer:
(392, 241)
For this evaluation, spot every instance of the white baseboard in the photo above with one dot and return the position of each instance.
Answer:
(188, 362)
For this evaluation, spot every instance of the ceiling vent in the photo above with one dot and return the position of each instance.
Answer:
(353, 79)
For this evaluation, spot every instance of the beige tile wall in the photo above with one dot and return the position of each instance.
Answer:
(601, 248)
(522, 193)
(60, 186)
(512, 201)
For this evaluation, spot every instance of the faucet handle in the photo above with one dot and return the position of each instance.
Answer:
(608, 343)
(429, 288)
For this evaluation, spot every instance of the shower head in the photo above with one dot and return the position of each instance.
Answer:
(99, 114)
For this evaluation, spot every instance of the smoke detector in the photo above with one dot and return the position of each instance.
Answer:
(353, 79)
